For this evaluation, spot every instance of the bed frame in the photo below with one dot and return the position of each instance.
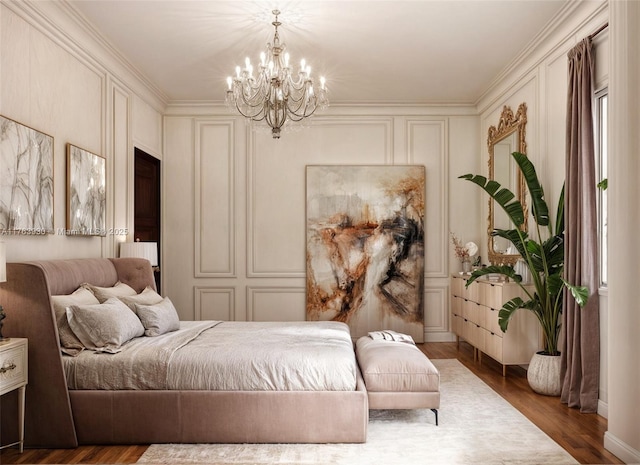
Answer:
(60, 418)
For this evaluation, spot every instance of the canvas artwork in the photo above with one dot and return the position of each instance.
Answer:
(86, 196)
(365, 247)
(26, 179)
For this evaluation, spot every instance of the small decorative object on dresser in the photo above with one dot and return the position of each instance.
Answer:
(13, 375)
(464, 253)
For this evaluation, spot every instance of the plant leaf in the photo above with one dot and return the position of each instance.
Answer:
(503, 197)
(504, 270)
(539, 206)
(505, 313)
(580, 293)
(560, 214)
(517, 238)
(555, 284)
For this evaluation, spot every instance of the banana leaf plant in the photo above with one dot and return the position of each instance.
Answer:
(543, 255)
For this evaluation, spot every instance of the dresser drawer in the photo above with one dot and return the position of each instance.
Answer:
(13, 367)
(491, 320)
(473, 311)
(493, 346)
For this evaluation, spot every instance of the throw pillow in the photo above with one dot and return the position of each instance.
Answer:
(158, 319)
(103, 293)
(69, 343)
(104, 327)
(147, 297)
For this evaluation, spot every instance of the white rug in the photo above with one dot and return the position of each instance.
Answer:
(477, 426)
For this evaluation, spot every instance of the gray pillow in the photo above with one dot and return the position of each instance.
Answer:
(104, 327)
(103, 293)
(147, 297)
(69, 343)
(158, 319)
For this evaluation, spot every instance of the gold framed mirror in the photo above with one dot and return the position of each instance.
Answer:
(502, 140)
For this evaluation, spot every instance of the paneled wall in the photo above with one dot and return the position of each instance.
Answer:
(56, 79)
(235, 203)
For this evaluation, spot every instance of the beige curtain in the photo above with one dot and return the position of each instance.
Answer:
(580, 344)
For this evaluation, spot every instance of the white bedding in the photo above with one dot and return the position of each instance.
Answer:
(214, 355)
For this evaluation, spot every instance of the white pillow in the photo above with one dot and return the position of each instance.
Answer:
(104, 327)
(147, 297)
(69, 342)
(158, 319)
(103, 293)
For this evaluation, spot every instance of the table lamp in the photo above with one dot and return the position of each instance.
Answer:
(147, 250)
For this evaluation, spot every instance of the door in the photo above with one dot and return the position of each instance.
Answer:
(146, 226)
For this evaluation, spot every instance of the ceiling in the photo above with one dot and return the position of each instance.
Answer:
(384, 52)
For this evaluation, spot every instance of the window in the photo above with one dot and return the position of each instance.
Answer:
(601, 101)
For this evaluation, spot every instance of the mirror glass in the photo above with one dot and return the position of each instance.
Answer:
(504, 139)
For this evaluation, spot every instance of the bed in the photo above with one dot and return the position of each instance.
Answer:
(66, 408)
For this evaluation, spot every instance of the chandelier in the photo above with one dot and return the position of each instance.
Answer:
(276, 93)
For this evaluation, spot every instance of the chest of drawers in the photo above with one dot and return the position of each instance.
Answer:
(474, 318)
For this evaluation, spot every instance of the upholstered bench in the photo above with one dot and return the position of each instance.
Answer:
(398, 375)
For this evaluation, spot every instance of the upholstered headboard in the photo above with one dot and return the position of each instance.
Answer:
(25, 298)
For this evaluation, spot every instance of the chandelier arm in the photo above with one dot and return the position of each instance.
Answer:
(304, 105)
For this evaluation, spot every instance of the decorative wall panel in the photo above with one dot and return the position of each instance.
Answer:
(214, 200)
(436, 299)
(427, 146)
(275, 303)
(214, 303)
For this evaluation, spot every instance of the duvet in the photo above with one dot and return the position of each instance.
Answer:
(225, 356)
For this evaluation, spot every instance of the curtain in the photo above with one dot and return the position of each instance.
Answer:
(580, 342)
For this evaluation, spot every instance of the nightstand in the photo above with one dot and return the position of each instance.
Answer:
(13, 375)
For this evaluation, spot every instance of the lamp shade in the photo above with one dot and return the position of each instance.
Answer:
(3, 262)
(148, 250)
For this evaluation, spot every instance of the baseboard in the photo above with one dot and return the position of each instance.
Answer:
(603, 409)
(620, 449)
(440, 336)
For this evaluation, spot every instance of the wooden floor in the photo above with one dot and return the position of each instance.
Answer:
(580, 434)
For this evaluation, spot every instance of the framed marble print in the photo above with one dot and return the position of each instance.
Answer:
(26, 179)
(86, 193)
(365, 247)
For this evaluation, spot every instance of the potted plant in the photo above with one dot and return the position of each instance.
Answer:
(544, 258)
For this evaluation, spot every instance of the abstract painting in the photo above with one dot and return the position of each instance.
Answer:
(86, 196)
(365, 247)
(26, 179)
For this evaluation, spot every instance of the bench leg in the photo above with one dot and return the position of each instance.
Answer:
(435, 410)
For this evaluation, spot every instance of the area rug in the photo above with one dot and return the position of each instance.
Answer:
(476, 426)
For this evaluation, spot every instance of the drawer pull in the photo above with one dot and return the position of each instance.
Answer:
(8, 368)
